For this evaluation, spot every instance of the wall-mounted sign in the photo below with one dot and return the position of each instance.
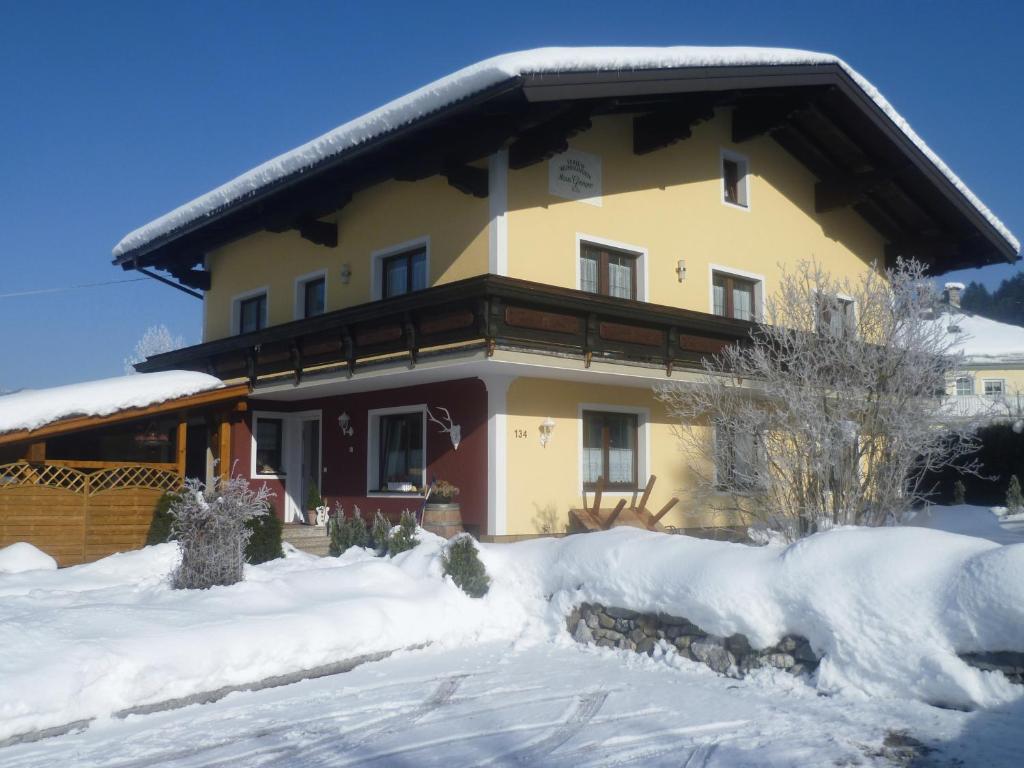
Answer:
(575, 176)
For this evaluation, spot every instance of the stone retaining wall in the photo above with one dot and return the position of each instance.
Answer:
(643, 632)
(1009, 663)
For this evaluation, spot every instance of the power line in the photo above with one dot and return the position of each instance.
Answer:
(70, 288)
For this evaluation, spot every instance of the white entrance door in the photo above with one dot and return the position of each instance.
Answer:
(302, 462)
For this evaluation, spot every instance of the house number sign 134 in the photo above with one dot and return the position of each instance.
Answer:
(519, 433)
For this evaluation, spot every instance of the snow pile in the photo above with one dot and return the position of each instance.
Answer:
(494, 71)
(968, 520)
(34, 408)
(21, 556)
(888, 608)
(982, 340)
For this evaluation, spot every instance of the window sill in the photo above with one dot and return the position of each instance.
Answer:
(738, 206)
(394, 495)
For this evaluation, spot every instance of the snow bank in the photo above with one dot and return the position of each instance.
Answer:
(983, 340)
(34, 408)
(477, 77)
(889, 609)
(21, 556)
(968, 520)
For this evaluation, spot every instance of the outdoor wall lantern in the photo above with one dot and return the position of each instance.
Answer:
(546, 428)
(681, 269)
(346, 274)
(345, 422)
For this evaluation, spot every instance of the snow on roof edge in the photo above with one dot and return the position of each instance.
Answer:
(481, 75)
(31, 409)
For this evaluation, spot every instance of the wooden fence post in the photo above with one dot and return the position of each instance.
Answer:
(182, 436)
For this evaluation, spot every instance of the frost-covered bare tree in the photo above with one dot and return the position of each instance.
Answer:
(156, 340)
(831, 414)
(209, 524)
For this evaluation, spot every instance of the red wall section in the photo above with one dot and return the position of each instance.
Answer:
(345, 458)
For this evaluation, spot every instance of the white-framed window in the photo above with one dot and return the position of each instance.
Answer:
(614, 446)
(268, 458)
(610, 268)
(964, 385)
(249, 311)
(738, 460)
(735, 169)
(401, 268)
(396, 451)
(995, 388)
(836, 316)
(735, 293)
(311, 294)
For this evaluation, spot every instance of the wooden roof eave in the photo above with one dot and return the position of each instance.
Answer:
(237, 392)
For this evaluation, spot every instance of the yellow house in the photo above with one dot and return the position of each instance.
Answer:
(482, 280)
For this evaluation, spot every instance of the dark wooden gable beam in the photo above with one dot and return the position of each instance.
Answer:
(468, 179)
(550, 138)
(193, 278)
(762, 114)
(845, 191)
(664, 127)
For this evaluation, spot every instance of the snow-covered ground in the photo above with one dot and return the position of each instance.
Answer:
(888, 609)
(496, 705)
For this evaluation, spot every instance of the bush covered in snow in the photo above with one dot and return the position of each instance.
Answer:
(264, 539)
(160, 526)
(462, 562)
(403, 538)
(346, 532)
(379, 534)
(210, 524)
(1014, 499)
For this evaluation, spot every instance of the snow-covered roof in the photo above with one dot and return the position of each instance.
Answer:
(482, 75)
(982, 340)
(35, 408)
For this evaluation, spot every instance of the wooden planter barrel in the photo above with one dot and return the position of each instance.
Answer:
(443, 519)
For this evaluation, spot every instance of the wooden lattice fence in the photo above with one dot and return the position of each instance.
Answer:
(75, 516)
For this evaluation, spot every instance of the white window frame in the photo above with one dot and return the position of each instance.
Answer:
(377, 262)
(285, 417)
(236, 307)
(299, 307)
(1002, 388)
(641, 259)
(744, 187)
(373, 449)
(643, 443)
(956, 386)
(759, 283)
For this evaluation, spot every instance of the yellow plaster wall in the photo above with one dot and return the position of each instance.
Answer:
(545, 482)
(670, 202)
(1014, 378)
(380, 217)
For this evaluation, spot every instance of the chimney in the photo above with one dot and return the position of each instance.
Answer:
(953, 294)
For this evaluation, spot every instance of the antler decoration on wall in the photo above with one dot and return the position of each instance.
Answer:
(454, 431)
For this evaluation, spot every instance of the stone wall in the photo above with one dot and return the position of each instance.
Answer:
(1009, 663)
(644, 632)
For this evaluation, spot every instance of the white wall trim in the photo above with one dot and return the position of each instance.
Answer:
(497, 453)
(744, 161)
(373, 449)
(299, 304)
(238, 298)
(639, 250)
(643, 442)
(497, 200)
(377, 258)
(759, 289)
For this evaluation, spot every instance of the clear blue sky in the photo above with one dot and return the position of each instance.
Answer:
(114, 113)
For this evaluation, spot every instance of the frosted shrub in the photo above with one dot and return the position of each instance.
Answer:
(346, 532)
(1014, 498)
(404, 537)
(211, 527)
(462, 562)
(959, 492)
(831, 413)
(379, 534)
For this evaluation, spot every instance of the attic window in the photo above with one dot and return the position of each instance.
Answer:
(953, 328)
(734, 180)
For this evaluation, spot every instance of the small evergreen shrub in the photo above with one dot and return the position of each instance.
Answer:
(462, 562)
(404, 538)
(346, 532)
(211, 525)
(313, 500)
(160, 527)
(959, 492)
(379, 534)
(264, 538)
(1014, 498)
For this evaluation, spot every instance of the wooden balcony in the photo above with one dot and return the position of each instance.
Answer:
(493, 311)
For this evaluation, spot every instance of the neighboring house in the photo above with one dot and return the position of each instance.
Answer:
(82, 465)
(531, 244)
(991, 382)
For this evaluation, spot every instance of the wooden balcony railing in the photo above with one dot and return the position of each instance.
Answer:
(497, 312)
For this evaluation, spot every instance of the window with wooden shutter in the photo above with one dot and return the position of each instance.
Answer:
(608, 271)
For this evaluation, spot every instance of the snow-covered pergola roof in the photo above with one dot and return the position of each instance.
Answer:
(983, 341)
(564, 72)
(27, 413)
